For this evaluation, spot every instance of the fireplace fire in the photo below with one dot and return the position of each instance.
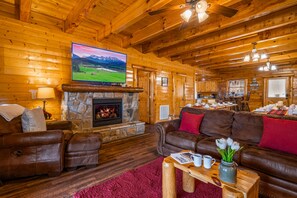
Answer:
(107, 111)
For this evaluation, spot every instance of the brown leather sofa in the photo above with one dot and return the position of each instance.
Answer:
(278, 170)
(46, 152)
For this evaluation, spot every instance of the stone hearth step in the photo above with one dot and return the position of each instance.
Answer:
(117, 131)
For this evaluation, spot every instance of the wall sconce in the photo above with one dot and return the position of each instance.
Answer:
(45, 93)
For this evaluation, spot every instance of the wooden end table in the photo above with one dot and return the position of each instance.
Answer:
(247, 184)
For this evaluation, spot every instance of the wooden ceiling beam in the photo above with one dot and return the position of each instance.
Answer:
(155, 29)
(281, 34)
(244, 30)
(216, 49)
(239, 57)
(165, 24)
(25, 10)
(246, 12)
(289, 65)
(134, 13)
(268, 46)
(285, 56)
(78, 13)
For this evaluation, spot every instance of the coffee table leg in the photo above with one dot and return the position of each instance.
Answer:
(188, 182)
(168, 179)
(231, 193)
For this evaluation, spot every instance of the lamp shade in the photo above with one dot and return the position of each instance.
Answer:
(186, 15)
(45, 93)
(202, 16)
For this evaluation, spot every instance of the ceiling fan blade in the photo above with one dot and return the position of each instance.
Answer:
(223, 10)
(175, 7)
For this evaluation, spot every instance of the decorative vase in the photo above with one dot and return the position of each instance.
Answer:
(228, 172)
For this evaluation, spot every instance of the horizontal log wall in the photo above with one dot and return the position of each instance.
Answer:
(32, 56)
(256, 99)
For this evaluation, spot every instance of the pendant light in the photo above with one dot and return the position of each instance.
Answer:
(268, 67)
(254, 55)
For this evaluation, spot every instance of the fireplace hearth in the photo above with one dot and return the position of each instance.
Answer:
(77, 107)
(107, 111)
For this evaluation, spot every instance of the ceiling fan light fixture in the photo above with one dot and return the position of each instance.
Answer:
(202, 16)
(201, 6)
(186, 15)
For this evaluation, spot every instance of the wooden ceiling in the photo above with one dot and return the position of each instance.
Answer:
(217, 44)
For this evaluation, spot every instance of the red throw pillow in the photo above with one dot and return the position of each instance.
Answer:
(191, 122)
(279, 135)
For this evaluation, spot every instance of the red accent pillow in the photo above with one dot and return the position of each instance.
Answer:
(191, 122)
(279, 135)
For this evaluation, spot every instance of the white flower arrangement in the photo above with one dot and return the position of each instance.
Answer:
(227, 148)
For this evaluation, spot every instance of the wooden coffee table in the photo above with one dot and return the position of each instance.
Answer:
(247, 185)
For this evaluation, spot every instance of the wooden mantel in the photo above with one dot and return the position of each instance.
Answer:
(98, 88)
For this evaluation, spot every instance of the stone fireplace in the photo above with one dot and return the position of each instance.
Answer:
(111, 111)
(107, 111)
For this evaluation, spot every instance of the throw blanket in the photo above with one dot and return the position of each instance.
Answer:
(278, 112)
(10, 111)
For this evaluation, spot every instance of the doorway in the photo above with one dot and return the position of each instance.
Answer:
(179, 99)
(145, 79)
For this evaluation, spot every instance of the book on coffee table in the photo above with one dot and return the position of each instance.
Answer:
(182, 157)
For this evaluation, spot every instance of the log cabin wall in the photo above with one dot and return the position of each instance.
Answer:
(37, 55)
(257, 96)
(32, 56)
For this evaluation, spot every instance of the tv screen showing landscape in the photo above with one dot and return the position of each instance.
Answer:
(97, 65)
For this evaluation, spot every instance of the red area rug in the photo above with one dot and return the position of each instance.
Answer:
(145, 182)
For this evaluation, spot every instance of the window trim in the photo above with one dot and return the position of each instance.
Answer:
(274, 79)
(245, 85)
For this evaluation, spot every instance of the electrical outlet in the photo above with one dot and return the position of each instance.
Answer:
(33, 93)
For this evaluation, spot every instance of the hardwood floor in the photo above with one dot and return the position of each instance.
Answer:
(115, 158)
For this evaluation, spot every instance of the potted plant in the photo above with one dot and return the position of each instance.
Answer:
(227, 169)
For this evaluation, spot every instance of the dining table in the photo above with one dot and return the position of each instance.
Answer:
(217, 107)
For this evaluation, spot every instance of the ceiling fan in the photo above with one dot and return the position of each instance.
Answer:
(199, 7)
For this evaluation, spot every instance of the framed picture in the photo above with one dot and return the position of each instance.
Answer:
(164, 81)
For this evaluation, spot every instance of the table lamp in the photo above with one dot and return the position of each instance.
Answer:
(45, 93)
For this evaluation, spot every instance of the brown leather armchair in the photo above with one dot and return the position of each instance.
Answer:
(46, 152)
(27, 154)
(31, 153)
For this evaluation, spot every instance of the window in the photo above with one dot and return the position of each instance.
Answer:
(236, 87)
(277, 88)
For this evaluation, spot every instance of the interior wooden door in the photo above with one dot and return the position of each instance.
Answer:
(271, 83)
(179, 100)
(143, 80)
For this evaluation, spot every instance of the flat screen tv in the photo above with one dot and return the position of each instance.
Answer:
(91, 64)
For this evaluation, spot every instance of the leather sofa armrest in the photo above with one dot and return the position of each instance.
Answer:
(164, 127)
(31, 139)
(167, 126)
(59, 125)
